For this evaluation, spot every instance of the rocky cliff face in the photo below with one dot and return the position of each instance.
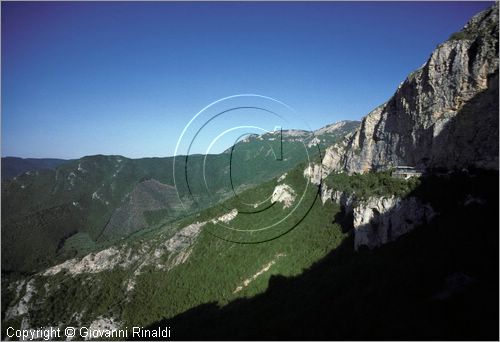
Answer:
(445, 114)
(380, 220)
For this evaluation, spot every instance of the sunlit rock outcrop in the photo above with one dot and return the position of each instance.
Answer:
(284, 194)
(444, 114)
(379, 220)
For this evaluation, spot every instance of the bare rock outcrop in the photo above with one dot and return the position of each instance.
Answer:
(22, 306)
(284, 194)
(380, 220)
(101, 261)
(226, 218)
(314, 172)
(444, 114)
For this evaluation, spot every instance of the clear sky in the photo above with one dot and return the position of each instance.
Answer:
(82, 78)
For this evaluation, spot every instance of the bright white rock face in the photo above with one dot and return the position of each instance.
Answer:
(282, 177)
(314, 172)
(283, 193)
(226, 218)
(380, 220)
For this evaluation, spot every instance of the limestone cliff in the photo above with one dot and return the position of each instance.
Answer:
(378, 221)
(445, 114)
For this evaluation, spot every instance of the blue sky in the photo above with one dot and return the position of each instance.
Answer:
(82, 78)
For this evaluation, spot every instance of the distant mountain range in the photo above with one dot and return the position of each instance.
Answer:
(14, 166)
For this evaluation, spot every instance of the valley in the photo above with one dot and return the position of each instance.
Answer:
(89, 203)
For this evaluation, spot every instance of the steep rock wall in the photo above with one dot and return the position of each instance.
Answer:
(445, 114)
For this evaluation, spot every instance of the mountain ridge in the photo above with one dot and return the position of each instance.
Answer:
(15, 166)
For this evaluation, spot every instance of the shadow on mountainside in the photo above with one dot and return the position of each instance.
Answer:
(473, 133)
(439, 281)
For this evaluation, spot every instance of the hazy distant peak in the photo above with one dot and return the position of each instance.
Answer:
(336, 126)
